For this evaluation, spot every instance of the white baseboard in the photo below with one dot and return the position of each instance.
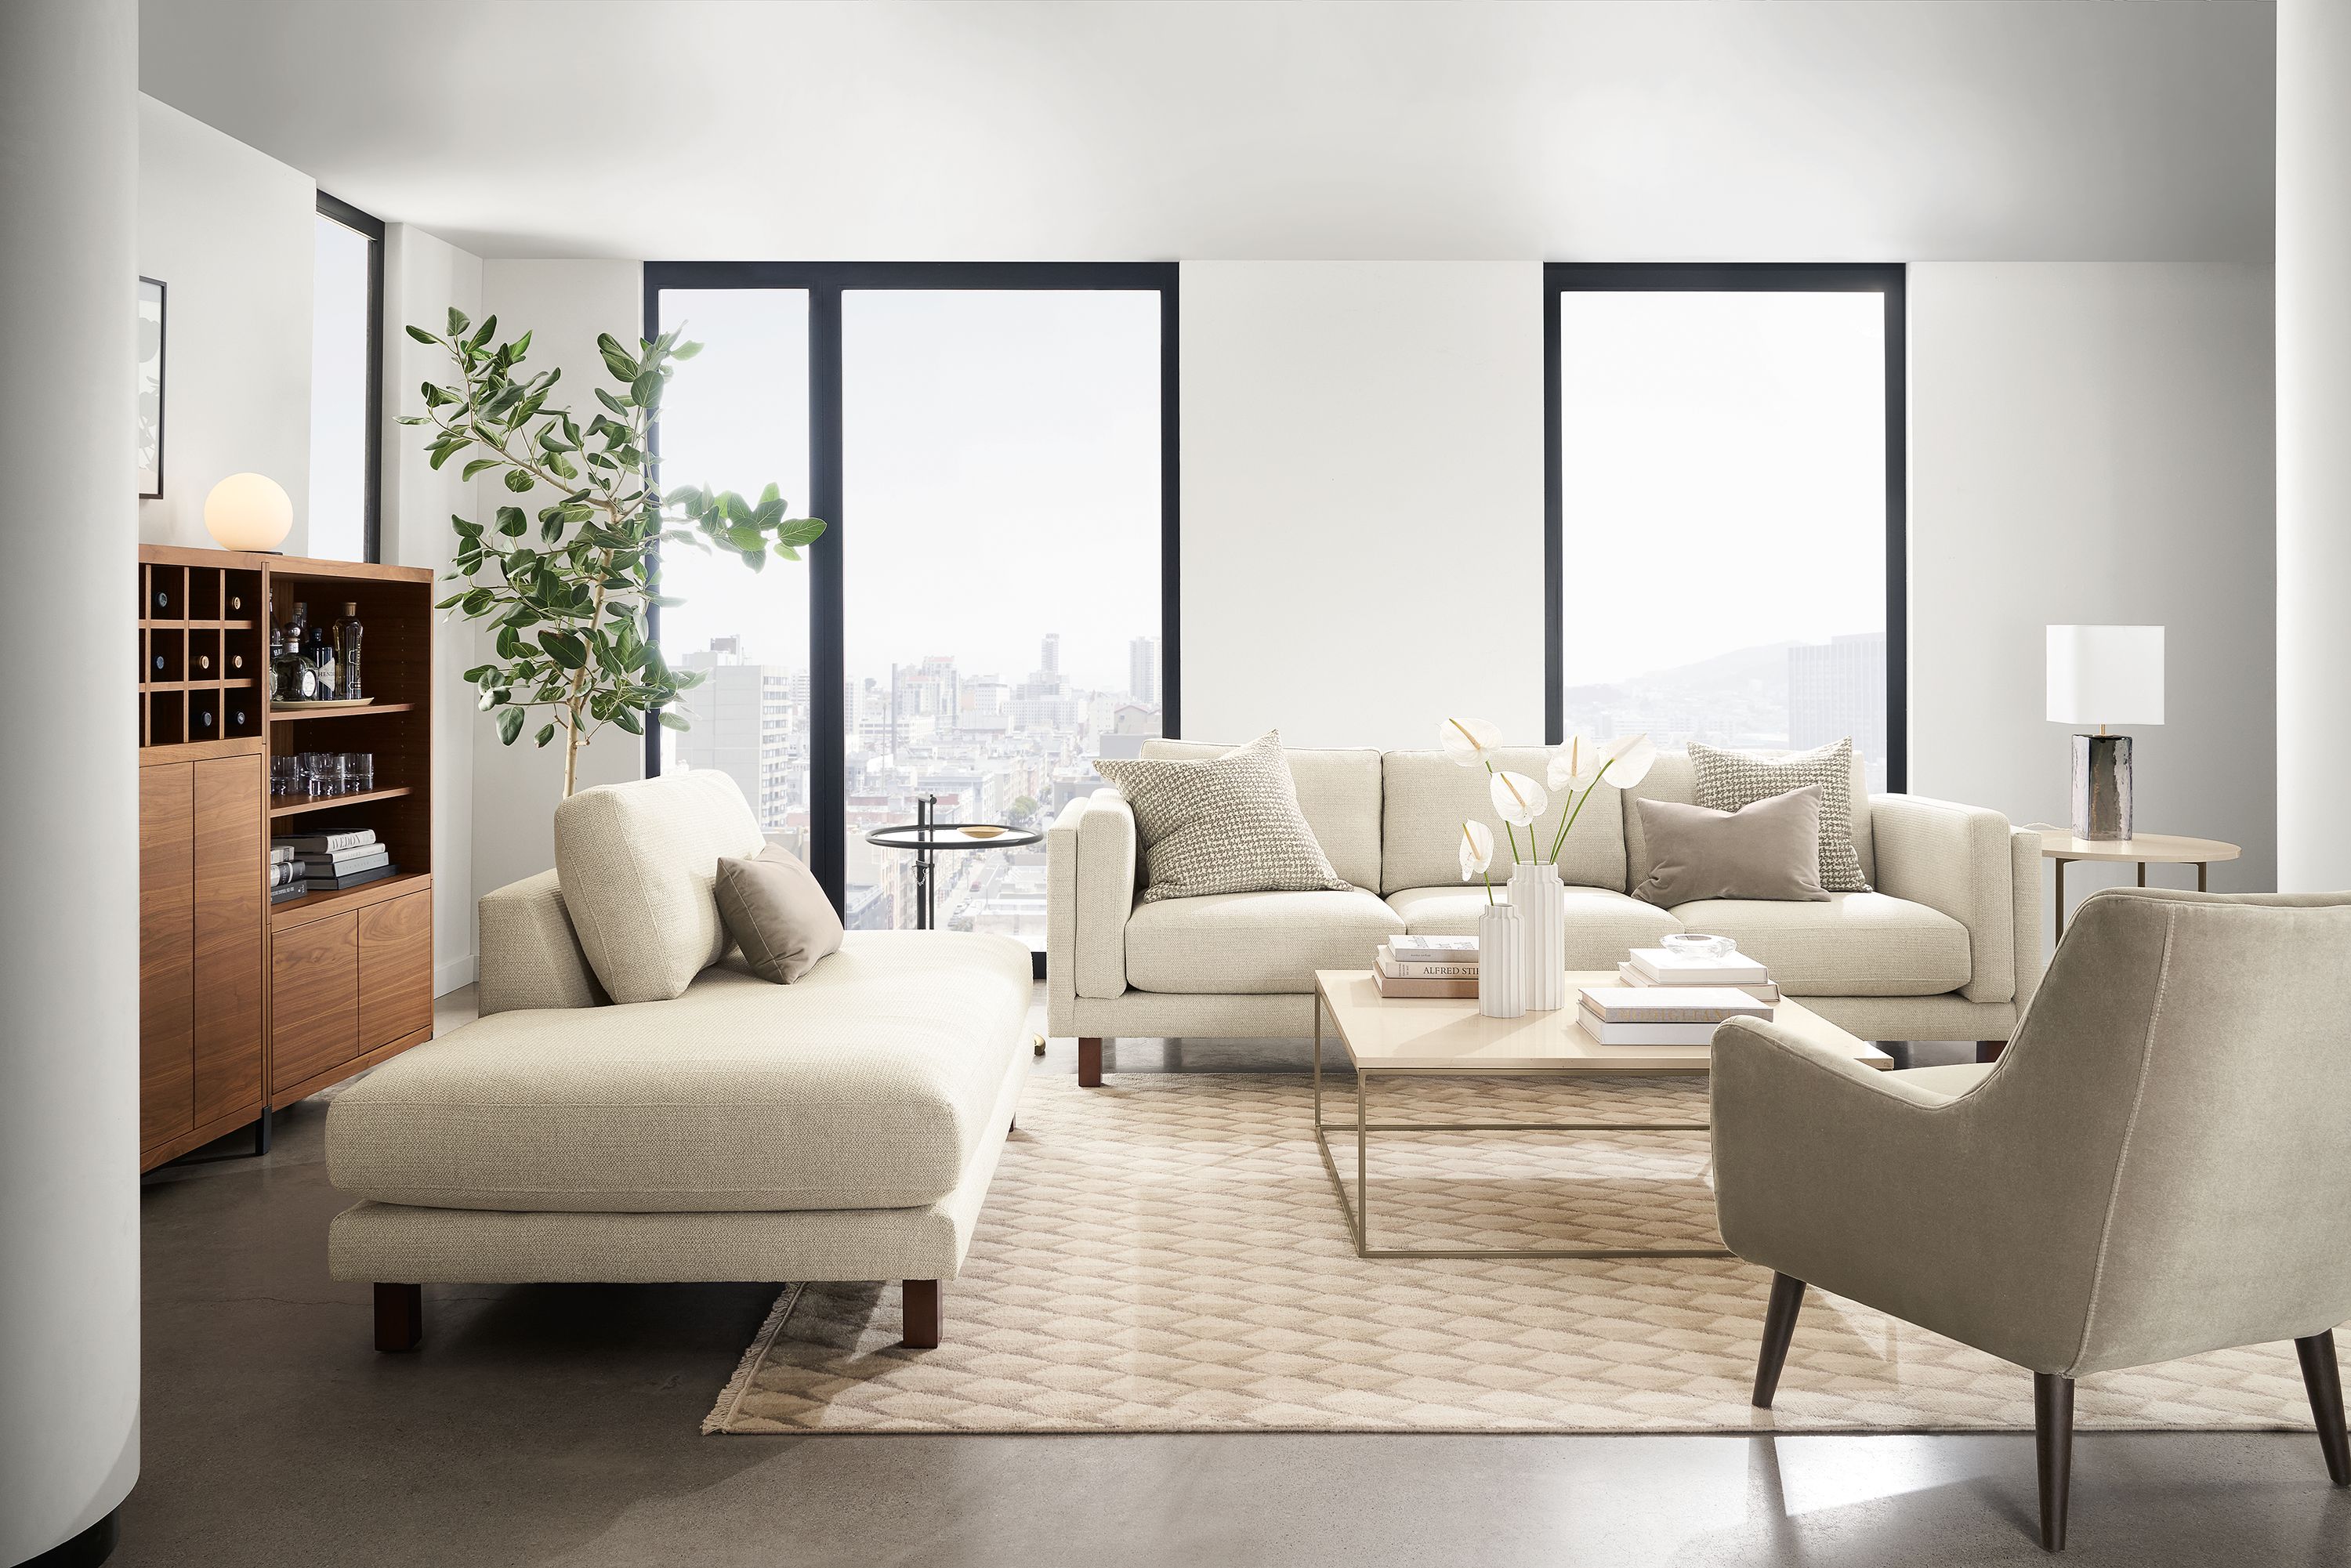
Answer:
(454, 975)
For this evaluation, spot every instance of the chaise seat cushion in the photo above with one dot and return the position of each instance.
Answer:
(1856, 945)
(1603, 924)
(867, 1083)
(1253, 943)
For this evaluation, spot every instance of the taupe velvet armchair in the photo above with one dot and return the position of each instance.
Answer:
(2157, 1167)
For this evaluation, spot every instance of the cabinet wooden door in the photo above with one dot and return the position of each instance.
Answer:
(395, 969)
(167, 1090)
(314, 999)
(232, 913)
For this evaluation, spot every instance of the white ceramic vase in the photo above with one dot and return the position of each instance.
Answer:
(1501, 972)
(1536, 895)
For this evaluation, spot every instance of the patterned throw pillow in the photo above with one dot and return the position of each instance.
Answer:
(1221, 824)
(1730, 780)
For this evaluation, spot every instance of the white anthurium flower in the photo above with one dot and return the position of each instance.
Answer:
(1467, 740)
(1517, 800)
(1476, 848)
(1574, 764)
(1628, 759)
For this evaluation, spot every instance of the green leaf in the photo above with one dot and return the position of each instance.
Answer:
(511, 521)
(546, 733)
(685, 351)
(458, 322)
(510, 721)
(674, 720)
(517, 481)
(627, 720)
(422, 336)
(478, 600)
(476, 465)
(645, 389)
(565, 648)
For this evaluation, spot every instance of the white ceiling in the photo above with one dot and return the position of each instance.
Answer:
(1948, 130)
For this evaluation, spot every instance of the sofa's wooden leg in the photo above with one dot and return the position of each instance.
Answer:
(399, 1317)
(2053, 1440)
(1990, 1050)
(920, 1313)
(1779, 1328)
(1090, 1062)
(2323, 1378)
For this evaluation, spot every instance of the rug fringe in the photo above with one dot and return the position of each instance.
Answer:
(721, 1419)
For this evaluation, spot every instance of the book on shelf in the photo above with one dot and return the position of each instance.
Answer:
(287, 892)
(1670, 1004)
(280, 853)
(1607, 1033)
(1764, 991)
(344, 860)
(319, 843)
(1403, 988)
(1451, 969)
(1431, 949)
(322, 883)
(1718, 969)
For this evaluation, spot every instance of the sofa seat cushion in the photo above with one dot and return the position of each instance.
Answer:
(1253, 943)
(866, 1083)
(1603, 926)
(1856, 945)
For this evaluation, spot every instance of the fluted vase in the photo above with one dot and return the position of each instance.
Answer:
(1541, 903)
(1501, 972)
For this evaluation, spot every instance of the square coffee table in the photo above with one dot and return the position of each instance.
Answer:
(1399, 1038)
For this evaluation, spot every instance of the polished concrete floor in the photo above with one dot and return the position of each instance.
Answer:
(556, 1424)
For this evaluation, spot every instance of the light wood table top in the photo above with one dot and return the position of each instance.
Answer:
(2153, 848)
(1450, 1035)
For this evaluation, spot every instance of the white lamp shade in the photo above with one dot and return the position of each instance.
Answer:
(2106, 675)
(248, 511)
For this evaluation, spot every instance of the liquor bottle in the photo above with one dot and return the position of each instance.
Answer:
(348, 631)
(321, 648)
(290, 672)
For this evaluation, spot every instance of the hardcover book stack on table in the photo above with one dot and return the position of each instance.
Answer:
(1427, 966)
(331, 863)
(1662, 1015)
(1657, 966)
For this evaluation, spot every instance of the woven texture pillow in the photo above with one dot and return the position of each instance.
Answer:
(1730, 780)
(1221, 824)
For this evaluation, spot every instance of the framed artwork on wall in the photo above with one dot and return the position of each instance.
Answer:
(151, 389)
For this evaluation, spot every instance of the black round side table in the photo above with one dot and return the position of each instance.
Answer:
(927, 838)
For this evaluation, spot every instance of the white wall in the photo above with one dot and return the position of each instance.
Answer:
(2094, 442)
(1363, 499)
(229, 231)
(563, 304)
(423, 277)
(2313, 406)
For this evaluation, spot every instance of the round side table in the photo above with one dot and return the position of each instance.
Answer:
(2060, 846)
(927, 838)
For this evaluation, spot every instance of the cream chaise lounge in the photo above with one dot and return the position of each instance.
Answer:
(1946, 947)
(841, 1127)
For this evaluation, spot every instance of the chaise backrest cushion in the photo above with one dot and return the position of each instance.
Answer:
(1672, 777)
(1338, 793)
(638, 863)
(1428, 796)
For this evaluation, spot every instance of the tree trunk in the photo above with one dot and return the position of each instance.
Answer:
(570, 758)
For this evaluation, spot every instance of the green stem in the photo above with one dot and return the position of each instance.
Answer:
(1488, 877)
(1577, 810)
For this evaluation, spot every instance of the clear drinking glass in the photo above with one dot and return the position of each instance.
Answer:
(286, 775)
(359, 772)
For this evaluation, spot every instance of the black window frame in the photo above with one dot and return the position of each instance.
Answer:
(1888, 280)
(371, 227)
(824, 282)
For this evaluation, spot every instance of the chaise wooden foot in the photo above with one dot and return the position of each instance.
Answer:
(920, 1314)
(399, 1317)
(1090, 1062)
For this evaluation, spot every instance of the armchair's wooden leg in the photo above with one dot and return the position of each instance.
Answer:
(920, 1313)
(2323, 1378)
(2052, 1440)
(1779, 1328)
(1990, 1050)
(399, 1317)
(1090, 1062)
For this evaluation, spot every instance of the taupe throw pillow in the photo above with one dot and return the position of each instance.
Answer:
(1730, 780)
(1769, 849)
(777, 914)
(1221, 824)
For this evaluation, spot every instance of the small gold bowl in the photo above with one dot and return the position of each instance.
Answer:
(982, 830)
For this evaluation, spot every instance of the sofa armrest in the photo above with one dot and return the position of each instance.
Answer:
(1091, 856)
(531, 956)
(1958, 860)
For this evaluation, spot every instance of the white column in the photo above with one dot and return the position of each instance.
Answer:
(2313, 417)
(69, 771)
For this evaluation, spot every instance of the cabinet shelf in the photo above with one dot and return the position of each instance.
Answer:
(312, 905)
(330, 802)
(303, 715)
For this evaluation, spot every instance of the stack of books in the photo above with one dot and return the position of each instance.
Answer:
(1427, 966)
(332, 861)
(1662, 1015)
(285, 875)
(1656, 967)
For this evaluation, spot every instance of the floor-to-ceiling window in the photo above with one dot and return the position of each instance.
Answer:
(1725, 481)
(346, 380)
(991, 447)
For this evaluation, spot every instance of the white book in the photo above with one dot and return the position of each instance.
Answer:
(1463, 968)
(1422, 948)
(1717, 970)
(1671, 1004)
(1766, 991)
(1608, 1033)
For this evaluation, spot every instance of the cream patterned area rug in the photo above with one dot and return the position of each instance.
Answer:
(1165, 1254)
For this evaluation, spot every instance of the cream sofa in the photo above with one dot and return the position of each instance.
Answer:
(1946, 947)
(841, 1127)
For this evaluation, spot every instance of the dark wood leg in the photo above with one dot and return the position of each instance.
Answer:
(2202, 878)
(2323, 1380)
(1990, 1050)
(399, 1317)
(1779, 1328)
(1090, 1062)
(2052, 1440)
(921, 1314)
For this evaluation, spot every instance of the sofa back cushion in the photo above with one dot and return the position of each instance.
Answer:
(1428, 796)
(1338, 791)
(638, 863)
(1672, 777)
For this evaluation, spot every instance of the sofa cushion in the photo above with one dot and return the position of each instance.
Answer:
(1254, 943)
(1603, 926)
(1727, 780)
(1338, 791)
(1672, 777)
(776, 912)
(1856, 945)
(1428, 796)
(867, 1083)
(1766, 849)
(637, 863)
(1220, 824)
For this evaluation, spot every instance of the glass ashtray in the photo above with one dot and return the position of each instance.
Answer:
(1698, 945)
